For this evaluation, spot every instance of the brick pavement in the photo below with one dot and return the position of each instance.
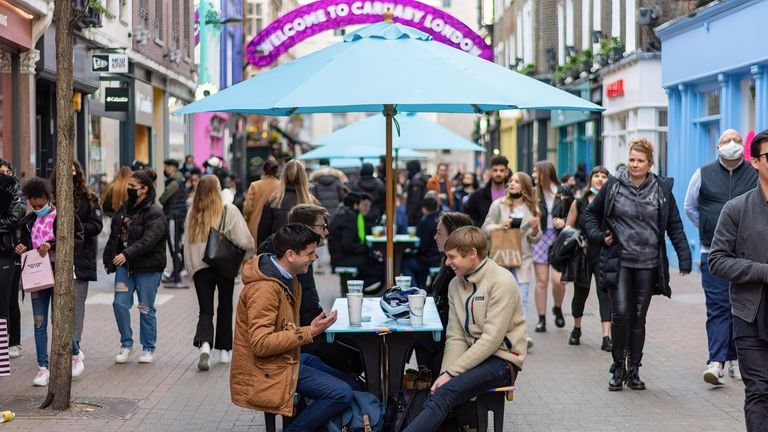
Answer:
(562, 388)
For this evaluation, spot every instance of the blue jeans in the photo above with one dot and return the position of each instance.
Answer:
(719, 320)
(331, 391)
(145, 285)
(523, 288)
(491, 373)
(41, 300)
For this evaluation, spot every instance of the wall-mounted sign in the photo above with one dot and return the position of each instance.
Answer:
(615, 89)
(114, 63)
(15, 27)
(116, 99)
(319, 16)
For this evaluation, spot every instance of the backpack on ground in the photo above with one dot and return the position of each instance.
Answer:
(403, 407)
(365, 414)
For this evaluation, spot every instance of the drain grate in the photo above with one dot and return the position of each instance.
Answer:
(81, 408)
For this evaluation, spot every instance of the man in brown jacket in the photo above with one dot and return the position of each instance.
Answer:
(267, 368)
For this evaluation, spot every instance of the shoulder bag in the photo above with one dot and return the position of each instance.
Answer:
(221, 253)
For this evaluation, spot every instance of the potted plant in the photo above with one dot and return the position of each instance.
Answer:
(529, 69)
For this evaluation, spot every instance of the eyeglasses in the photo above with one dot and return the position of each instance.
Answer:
(323, 226)
(761, 155)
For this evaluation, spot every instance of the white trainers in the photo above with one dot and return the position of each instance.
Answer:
(15, 351)
(41, 380)
(714, 374)
(733, 369)
(147, 357)
(77, 366)
(226, 356)
(122, 357)
(205, 356)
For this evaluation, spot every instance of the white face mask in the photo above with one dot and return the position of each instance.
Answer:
(731, 151)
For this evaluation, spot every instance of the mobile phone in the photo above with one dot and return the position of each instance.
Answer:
(516, 222)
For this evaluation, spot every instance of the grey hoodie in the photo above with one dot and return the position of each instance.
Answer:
(636, 220)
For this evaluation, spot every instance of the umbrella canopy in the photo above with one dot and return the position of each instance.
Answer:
(345, 151)
(416, 133)
(388, 67)
(388, 64)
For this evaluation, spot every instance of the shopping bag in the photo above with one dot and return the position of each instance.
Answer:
(506, 247)
(36, 271)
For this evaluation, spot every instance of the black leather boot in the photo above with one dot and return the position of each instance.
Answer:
(575, 338)
(541, 326)
(633, 377)
(559, 320)
(616, 382)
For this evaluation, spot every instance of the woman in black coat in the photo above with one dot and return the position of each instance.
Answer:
(294, 189)
(135, 252)
(629, 219)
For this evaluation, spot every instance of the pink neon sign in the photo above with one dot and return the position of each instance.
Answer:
(311, 19)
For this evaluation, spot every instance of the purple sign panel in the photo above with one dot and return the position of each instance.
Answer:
(311, 19)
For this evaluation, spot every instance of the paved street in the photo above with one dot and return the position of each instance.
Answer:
(562, 388)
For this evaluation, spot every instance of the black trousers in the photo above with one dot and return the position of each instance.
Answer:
(14, 314)
(175, 232)
(753, 358)
(629, 303)
(206, 282)
(581, 292)
(7, 268)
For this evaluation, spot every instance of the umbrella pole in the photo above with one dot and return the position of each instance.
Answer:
(389, 112)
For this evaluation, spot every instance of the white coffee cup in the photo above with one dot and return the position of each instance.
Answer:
(416, 308)
(355, 308)
(411, 231)
(355, 286)
(403, 282)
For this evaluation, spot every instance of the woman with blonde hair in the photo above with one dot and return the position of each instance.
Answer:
(629, 219)
(517, 209)
(208, 211)
(547, 189)
(294, 189)
(117, 192)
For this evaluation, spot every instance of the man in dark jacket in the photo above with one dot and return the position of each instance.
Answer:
(417, 187)
(427, 255)
(11, 211)
(346, 241)
(738, 255)
(374, 187)
(328, 186)
(480, 201)
(174, 202)
(709, 189)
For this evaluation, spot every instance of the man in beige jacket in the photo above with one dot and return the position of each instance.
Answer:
(486, 337)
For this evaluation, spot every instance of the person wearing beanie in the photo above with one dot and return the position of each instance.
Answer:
(375, 188)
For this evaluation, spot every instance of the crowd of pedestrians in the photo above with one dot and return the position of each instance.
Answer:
(480, 249)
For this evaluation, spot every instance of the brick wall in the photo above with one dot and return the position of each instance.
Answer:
(167, 22)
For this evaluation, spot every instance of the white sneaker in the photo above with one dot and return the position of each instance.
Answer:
(714, 374)
(733, 369)
(205, 356)
(15, 351)
(122, 357)
(77, 366)
(226, 356)
(81, 355)
(41, 380)
(147, 357)
(530, 342)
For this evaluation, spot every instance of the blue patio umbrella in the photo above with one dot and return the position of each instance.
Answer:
(388, 67)
(417, 133)
(363, 150)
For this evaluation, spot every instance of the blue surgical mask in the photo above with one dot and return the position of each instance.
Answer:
(43, 212)
(594, 190)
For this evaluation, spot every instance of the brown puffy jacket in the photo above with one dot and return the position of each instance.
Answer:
(267, 343)
(258, 194)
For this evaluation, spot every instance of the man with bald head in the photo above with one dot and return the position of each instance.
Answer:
(710, 188)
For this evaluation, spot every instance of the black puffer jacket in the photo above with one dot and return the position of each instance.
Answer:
(272, 218)
(376, 189)
(598, 221)
(11, 211)
(417, 187)
(89, 213)
(329, 191)
(478, 204)
(147, 233)
(343, 241)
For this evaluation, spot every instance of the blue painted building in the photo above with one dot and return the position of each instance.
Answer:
(715, 73)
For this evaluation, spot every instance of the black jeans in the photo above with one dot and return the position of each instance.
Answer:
(753, 356)
(581, 292)
(14, 315)
(7, 268)
(629, 303)
(206, 282)
(175, 232)
(491, 373)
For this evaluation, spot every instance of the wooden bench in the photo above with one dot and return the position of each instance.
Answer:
(345, 274)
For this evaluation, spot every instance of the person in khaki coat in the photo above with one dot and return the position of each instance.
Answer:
(258, 194)
(267, 367)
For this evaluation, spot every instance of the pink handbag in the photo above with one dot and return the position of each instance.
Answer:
(36, 271)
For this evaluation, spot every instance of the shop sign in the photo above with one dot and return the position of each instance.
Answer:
(615, 89)
(116, 99)
(322, 15)
(15, 27)
(114, 63)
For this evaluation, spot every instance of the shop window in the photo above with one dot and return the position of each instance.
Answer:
(747, 105)
(663, 118)
(711, 101)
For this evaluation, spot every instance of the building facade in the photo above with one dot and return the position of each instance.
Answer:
(715, 74)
